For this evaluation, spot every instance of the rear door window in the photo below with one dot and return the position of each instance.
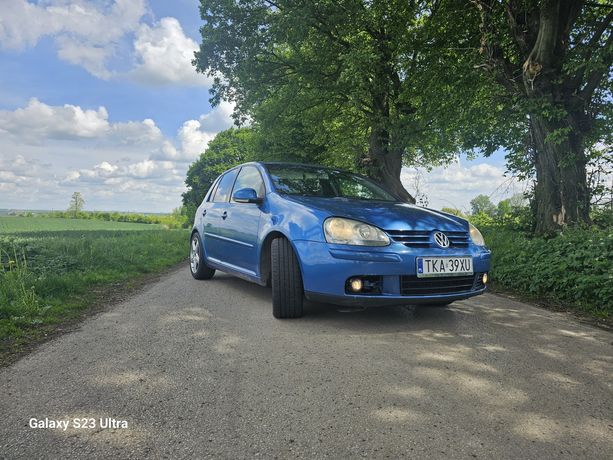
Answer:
(225, 187)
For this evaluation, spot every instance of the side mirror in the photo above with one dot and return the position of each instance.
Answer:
(246, 195)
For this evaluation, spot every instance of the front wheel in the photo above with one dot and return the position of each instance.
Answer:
(197, 266)
(287, 290)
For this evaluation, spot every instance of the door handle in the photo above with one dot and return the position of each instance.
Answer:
(224, 214)
(204, 212)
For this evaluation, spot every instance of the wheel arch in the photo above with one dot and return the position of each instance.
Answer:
(202, 247)
(265, 260)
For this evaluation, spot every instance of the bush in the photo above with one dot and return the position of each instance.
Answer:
(179, 218)
(574, 267)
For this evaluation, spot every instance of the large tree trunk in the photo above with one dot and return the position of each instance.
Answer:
(384, 165)
(558, 97)
(561, 192)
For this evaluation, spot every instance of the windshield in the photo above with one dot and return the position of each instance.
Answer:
(324, 183)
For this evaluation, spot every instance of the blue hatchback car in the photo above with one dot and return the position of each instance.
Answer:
(333, 236)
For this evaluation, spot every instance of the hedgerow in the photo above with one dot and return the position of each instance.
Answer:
(573, 268)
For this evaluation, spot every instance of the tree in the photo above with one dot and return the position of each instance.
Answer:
(229, 148)
(481, 204)
(551, 62)
(341, 82)
(76, 204)
(454, 211)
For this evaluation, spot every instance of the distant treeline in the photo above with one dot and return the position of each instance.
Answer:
(177, 219)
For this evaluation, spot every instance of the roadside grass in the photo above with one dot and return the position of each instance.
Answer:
(573, 269)
(50, 277)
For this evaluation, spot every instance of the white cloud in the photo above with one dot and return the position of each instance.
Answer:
(24, 23)
(85, 32)
(41, 121)
(456, 184)
(219, 118)
(137, 132)
(195, 135)
(19, 175)
(38, 122)
(92, 58)
(47, 152)
(112, 174)
(91, 33)
(165, 55)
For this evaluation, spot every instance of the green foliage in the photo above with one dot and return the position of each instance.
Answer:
(575, 82)
(454, 211)
(76, 204)
(574, 268)
(343, 82)
(177, 219)
(49, 276)
(481, 204)
(603, 217)
(18, 298)
(229, 148)
(349, 83)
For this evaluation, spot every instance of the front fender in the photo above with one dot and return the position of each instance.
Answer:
(295, 221)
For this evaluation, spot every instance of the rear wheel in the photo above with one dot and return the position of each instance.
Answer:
(197, 266)
(287, 289)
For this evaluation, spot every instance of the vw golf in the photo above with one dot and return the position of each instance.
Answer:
(333, 236)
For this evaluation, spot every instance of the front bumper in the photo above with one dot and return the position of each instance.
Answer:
(326, 268)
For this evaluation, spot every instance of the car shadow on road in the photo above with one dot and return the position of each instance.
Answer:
(378, 319)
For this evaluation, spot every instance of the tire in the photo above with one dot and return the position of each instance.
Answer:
(197, 266)
(287, 289)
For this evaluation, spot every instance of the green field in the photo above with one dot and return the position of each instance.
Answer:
(50, 224)
(52, 269)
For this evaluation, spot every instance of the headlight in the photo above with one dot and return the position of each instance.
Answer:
(347, 231)
(476, 235)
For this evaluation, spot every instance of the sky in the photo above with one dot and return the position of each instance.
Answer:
(100, 97)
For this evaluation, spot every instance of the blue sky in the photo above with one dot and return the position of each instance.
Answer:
(99, 96)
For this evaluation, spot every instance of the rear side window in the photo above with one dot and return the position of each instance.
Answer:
(225, 186)
(250, 177)
(212, 190)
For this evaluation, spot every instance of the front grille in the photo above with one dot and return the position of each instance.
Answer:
(411, 238)
(457, 239)
(422, 238)
(414, 286)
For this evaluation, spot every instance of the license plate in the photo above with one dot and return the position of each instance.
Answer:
(444, 266)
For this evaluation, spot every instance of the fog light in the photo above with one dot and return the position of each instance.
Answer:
(485, 278)
(356, 284)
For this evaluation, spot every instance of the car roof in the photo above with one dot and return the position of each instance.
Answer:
(301, 165)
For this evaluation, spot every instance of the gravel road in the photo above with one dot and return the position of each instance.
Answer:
(201, 369)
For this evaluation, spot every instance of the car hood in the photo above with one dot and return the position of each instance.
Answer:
(385, 215)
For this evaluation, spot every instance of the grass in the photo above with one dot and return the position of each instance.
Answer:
(53, 269)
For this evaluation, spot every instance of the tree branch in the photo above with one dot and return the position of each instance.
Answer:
(596, 75)
(503, 70)
(604, 25)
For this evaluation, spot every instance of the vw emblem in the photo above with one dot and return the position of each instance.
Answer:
(441, 239)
